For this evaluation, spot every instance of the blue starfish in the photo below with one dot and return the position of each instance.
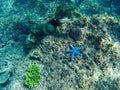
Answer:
(74, 51)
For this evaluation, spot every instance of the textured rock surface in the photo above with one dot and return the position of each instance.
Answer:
(99, 67)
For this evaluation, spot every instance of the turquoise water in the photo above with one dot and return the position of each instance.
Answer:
(40, 32)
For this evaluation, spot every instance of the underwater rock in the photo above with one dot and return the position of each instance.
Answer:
(5, 66)
(36, 54)
(4, 77)
(16, 85)
(47, 29)
(42, 30)
(75, 34)
(30, 42)
(63, 11)
(19, 29)
(55, 22)
(5, 71)
(38, 32)
(81, 22)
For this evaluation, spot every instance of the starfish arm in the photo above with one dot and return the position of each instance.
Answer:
(69, 51)
(72, 57)
(80, 54)
(79, 48)
(71, 46)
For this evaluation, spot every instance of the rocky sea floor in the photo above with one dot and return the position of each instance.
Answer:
(98, 35)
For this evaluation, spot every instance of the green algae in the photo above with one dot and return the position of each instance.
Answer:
(32, 76)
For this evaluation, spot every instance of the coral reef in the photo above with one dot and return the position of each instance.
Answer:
(98, 66)
(45, 28)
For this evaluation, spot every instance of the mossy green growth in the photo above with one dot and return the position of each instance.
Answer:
(48, 29)
(32, 76)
